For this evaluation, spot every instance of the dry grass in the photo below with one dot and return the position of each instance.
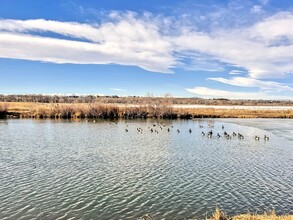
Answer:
(219, 215)
(157, 109)
(240, 113)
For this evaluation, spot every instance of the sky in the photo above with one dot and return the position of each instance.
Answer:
(187, 48)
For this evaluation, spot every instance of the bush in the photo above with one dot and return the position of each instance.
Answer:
(3, 110)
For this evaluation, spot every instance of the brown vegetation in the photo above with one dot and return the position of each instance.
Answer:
(157, 109)
(3, 110)
(136, 100)
(52, 106)
(220, 215)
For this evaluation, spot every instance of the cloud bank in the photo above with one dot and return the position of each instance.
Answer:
(129, 41)
(265, 49)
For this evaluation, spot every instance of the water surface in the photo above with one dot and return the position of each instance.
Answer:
(84, 170)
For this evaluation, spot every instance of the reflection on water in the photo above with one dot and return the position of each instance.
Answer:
(85, 170)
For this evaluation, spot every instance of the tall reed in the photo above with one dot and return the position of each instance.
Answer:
(155, 109)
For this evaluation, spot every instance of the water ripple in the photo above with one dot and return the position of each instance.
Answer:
(64, 170)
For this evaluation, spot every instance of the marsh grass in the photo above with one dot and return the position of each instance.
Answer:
(271, 215)
(157, 109)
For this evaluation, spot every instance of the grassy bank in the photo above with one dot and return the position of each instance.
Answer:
(220, 215)
(155, 110)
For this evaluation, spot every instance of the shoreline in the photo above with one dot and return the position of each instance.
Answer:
(221, 215)
(156, 111)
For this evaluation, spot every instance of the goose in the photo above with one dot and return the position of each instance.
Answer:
(256, 138)
(210, 134)
(234, 134)
(266, 138)
(240, 136)
(168, 129)
(218, 135)
(202, 133)
(178, 130)
(190, 130)
(223, 127)
(126, 130)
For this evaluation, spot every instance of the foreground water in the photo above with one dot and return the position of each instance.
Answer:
(84, 170)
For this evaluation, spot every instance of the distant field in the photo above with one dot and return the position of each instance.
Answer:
(255, 107)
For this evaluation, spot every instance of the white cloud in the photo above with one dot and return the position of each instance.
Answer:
(274, 28)
(215, 93)
(256, 9)
(118, 90)
(198, 62)
(250, 82)
(129, 41)
(243, 48)
(236, 72)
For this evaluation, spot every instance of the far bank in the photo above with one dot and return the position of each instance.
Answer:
(132, 111)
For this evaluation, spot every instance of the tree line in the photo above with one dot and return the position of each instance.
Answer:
(136, 100)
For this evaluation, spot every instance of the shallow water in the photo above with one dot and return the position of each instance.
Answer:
(279, 127)
(84, 170)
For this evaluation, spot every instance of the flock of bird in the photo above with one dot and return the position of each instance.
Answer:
(156, 127)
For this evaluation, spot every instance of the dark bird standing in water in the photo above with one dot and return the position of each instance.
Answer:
(210, 134)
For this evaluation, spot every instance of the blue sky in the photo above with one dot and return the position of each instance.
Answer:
(205, 48)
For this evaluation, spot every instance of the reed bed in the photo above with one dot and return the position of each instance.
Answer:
(220, 215)
(147, 110)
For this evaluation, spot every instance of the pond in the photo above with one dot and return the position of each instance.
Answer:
(59, 169)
